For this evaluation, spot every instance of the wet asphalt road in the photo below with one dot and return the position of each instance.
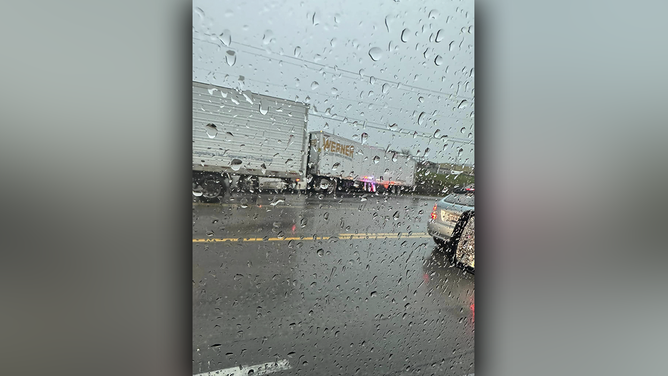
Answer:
(294, 278)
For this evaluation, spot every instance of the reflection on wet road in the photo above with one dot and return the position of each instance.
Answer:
(326, 286)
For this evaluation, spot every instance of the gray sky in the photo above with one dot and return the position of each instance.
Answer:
(322, 53)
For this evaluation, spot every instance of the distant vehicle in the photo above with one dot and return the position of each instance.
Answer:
(452, 225)
(241, 137)
(338, 163)
(249, 141)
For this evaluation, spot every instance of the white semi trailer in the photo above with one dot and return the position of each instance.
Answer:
(243, 139)
(336, 163)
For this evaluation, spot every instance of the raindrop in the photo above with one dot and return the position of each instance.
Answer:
(263, 168)
(226, 37)
(298, 51)
(463, 130)
(315, 19)
(376, 159)
(211, 130)
(438, 60)
(314, 85)
(303, 222)
(335, 91)
(437, 134)
(326, 216)
(393, 126)
(337, 18)
(364, 138)
(212, 90)
(375, 53)
(421, 118)
(470, 135)
(450, 45)
(387, 24)
(373, 293)
(320, 252)
(197, 194)
(394, 157)
(463, 104)
(415, 134)
(244, 203)
(263, 111)
(426, 152)
(433, 14)
(421, 99)
(396, 215)
(335, 166)
(440, 35)
(386, 88)
(230, 57)
(266, 39)
(405, 35)
(288, 160)
(236, 164)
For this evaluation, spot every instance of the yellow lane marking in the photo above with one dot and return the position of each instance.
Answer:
(340, 236)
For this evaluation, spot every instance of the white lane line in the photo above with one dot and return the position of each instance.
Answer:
(258, 369)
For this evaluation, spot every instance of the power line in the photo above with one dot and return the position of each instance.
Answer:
(337, 98)
(399, 85)
(416, 133)
(366, 122)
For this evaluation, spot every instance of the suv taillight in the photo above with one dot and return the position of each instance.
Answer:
(433, 212)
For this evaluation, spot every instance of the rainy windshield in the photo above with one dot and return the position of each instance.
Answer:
(460, 199)
(322, 135)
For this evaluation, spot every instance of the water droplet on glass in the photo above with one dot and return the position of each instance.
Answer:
(236, 164)
(422, 118)
(298, 51)
(396, 215)
(335, 91)
(426, 152)
(335, 166)
(437, 134)
(450, 46)
(315, 19)
(463, 104)
(364, 137)
(433, 14)
(415, 134)
(197, 194)
(394, 157)
(438, 60)
(320, 252)
(266, 39)
(303, 222)
(393, 126)
(405, 35)
(230, 57)
(211, 130)
(326, 216)
(226, 37)
(376, 159)
(212, 90)
(375, 53)
(373, 293)
(386, 88)
(263, 168)
(263, 111)
(463, 130)
(314, 85)
(440, 35)
(470, 135)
